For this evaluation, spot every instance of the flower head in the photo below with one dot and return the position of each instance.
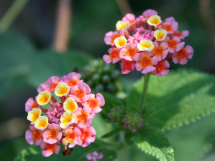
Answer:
(34, 114)
(80, 92)
(161, 68)
(49, 149)
(87, 136)
(52, 134)
(30, 104)
(70, 105)
(120, 41)
(113, 56)
(93, 104)
(154, 20)
(67, 119)
(61, 89)
(72, 136)
(41, 123)
(182, 55)
(84, 118)
(33, 135)
(43, 98)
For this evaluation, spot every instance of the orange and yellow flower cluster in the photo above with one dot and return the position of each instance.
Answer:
(62, 112)
(147, 43)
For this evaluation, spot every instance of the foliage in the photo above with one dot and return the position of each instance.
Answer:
(152, 141)
(15, 52)
(176, 99)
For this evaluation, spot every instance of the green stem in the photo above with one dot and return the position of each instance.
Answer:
(144, 93)
(123, 154)
(11, 14)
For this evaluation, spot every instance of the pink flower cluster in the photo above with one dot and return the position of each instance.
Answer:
(94, 156)
(147, 43)
(68, 108)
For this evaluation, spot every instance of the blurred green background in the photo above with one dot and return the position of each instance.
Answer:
(27, 59)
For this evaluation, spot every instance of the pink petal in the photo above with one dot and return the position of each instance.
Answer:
(107, 58)
(100, 99)
(185, 33)
(148, 69)
(57, 149)
(183, 62)
(138, 67)
(46, 153)
(179, 46)
(28, 137)
(73, 75)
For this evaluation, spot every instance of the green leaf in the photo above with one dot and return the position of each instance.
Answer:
(176, 99)
(192, 142)
(15, 51)
(152, 141)
(50, 63)
(33, 153)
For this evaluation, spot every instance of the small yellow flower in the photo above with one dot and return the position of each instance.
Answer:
(121, 25)
(34, 114)
(145, 45)
(70, 105)
(120, 41)
(43, 98)
(67, 119)
(41, 123)
(160, 35)
(61, 89)
(154, 20)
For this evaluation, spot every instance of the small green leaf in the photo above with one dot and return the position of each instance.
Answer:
(152, 141)
(50, 63)
(176, 99)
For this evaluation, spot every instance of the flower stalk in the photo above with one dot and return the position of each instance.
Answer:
(11, 14)
(144, 93)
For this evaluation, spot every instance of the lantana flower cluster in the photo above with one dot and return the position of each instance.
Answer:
(147, 43)
(67, 118)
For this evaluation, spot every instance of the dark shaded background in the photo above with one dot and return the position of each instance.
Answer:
(90, 21)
